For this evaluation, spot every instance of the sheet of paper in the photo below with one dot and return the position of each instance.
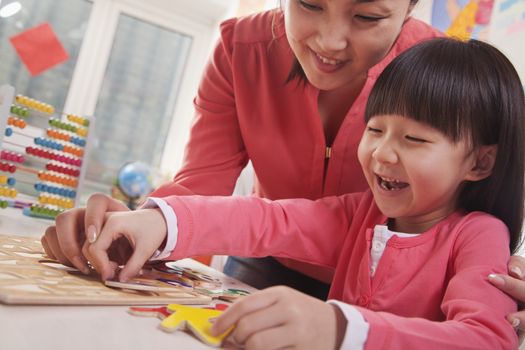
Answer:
(39, 48)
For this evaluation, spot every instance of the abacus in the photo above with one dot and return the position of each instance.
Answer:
(42, 155)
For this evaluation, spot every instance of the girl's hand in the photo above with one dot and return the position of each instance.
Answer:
(281, 317)
(63, 241)
(139, 233)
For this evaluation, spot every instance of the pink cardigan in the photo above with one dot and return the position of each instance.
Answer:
(245, 111)
(428, 292)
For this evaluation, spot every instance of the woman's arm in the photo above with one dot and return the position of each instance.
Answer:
(215, 153)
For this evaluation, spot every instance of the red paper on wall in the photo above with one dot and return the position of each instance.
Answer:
(39, 48)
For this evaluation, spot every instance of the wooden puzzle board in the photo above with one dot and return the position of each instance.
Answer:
(26, 278)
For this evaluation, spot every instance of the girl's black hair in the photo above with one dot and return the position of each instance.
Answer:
(466, 90)
(297, 72)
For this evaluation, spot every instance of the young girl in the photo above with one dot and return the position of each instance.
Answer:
(443, 154)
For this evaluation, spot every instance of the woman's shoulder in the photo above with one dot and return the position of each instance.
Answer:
(415, 31)
(259, 27)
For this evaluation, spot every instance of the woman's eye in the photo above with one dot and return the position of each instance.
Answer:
(415, 139)
(369, 18)
(309, 6)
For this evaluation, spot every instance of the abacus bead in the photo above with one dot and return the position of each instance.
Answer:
(8, 131)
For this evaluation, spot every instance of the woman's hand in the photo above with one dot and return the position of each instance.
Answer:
(514, 285)
(281, 317)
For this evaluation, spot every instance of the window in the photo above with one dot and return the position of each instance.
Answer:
(137, 98)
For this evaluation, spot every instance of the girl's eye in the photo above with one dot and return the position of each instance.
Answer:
(415, 139)
(309, 6)
(373, 130)
(369, 18)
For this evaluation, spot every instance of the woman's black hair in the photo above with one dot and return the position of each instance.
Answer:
(297, 72)
(465, 89)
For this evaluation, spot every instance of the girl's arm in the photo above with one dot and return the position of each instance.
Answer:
(215, 153)
(311, 231)
(301, 229)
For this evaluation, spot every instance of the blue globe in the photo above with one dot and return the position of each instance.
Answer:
(134, 179)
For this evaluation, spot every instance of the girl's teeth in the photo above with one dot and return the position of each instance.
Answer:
(391, 185)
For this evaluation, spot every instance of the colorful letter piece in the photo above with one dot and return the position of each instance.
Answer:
(197, 320)
(176, 317)
(159, 312)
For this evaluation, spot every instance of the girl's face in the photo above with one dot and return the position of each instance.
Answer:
(415, 171)
(337, 41)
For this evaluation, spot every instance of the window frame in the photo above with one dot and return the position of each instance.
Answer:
(198, 19)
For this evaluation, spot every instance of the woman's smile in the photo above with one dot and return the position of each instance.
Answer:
(326, 64)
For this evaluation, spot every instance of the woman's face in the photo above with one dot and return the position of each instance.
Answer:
(337, 41)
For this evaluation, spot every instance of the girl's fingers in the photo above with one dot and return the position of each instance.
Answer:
(134, 265)
(97, 252)
(259, 321)
(97, 206)
(241, 308)
(272, 338)
(67, 234)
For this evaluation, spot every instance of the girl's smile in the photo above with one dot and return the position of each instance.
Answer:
(390, 185)
(414, 171)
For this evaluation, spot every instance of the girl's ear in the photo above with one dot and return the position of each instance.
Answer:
(484, 163)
